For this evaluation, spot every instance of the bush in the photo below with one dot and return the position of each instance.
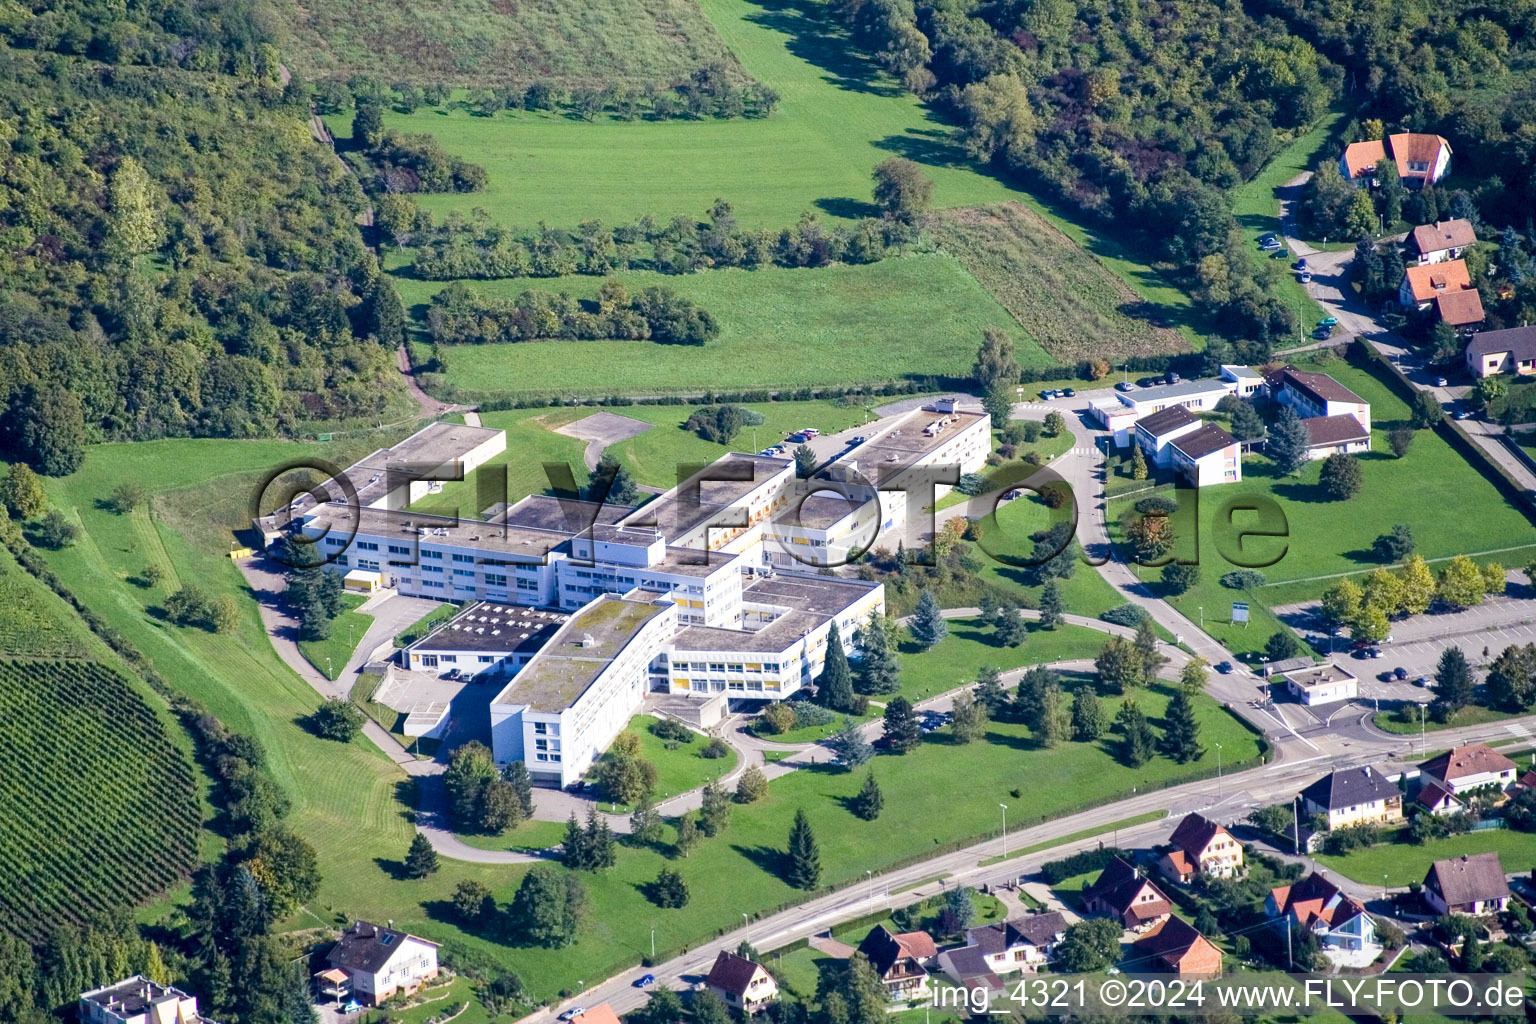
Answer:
(1242, 579)
(671, 729)
(972, 483)
(715, 748)
(777, 717)
(808, 714)
(337, 719)
(1124, 615)
(1054, 871)
(1157, 504)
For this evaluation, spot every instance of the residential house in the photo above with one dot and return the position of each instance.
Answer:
(1201, 847)
(1469, 884)
(900, 960)
(1208, 455)
(1316, 905)
(1353, 796)
(1121, 893)
(1422, 284)
(137, 1000)
(1315, 395)
(743, 984)
(1154, 433)
(1436, 798)
(1175, 947)
(1463, 310)
(1443, 240)
(1508, 351)
(602, 1013)
(379, 962)
(1322, 684)
(1528, 780)
(1469, 767)
(1019, 944)
(1420, 159)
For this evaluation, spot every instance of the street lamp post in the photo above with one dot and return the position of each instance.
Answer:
(1421, 728)
(869, 877)
(653, 945)
(1218, 771)
(1005, 828)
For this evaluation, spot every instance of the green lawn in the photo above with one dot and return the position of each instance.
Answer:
(1405, 720)
(424, 625)
(682, 769)
(1429, 489)
(530, 835)
(970, 647)
(36, 623)
(330, 655)
(778, 329)
(1402, 863)
(1015, 469)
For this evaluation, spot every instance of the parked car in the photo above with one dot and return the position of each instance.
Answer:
(1171, 377)
(859, 439)
(797, 438)
(1421, 681)
(1304, 277)
(1269, 238)
(1149, 382)
(1328, 321)
(1374, 652)
(1046, 396)
(1463, 414)
(1399, 673)
(1125, 385)
(1277, 252)
(811, 432)
(644, 980)
(1301, 264)
(1323, 333)
(1068, 392)
(1440, 382)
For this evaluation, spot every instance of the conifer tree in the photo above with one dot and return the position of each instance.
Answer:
(421, 860)
(1181, 730)
(834, 687)
(869, 801)
(879, 671)
(804, 854)
(928, 625)
(1087, 715)
(1051, 607)
(1136, 735)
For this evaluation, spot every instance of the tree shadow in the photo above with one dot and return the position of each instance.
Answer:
(774, 862)
(811, 36)
(1308, 494)
(395, 869)
(849, 208)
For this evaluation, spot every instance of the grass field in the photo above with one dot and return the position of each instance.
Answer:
(598, 42)
(1066, 300)
(530, 835)
(914, 315)
(682, 769)
(970, 647)
(36, 623)
(330, 655)
(1405, 720)
(1398, 864)
(1429, 489)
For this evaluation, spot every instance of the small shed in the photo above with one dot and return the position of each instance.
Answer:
(363, 581)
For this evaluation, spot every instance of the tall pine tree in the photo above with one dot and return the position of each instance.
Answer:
(804, 854)
(879, 671)
(1137, 743)
(834, 687)
(869, 801)
(1181, 730)
(1087, 715)
(1051, 607)
(902, 730)
(928, 626)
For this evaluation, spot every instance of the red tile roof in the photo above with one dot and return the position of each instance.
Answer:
(1432, 279)
(1314, 898)
(1411, 147)
(1362, 157)
(1443, 234)
(1460, 308)
(1461, 762)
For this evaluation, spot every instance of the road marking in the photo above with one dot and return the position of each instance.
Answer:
(1292, 764)
(1517, 729)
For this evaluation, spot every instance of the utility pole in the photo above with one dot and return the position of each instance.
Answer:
(1005, 828)
(1218, 771)
(1296, 825)
(653, 944)
(1421, 729)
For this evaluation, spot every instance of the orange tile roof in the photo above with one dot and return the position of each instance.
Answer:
(1362, 157)
(602, 1013)
(1460, 308)
(1431, 279)
(1415, 148)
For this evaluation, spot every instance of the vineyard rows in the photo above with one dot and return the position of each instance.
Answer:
(100, 809)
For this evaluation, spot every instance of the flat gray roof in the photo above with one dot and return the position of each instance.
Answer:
(561, 515)
(431, 447)
(561, 672)
(820, 511)
(684, 509)
(906, 443)
(498, 543)
(487, 626)
(1165, 392)
(811, 601)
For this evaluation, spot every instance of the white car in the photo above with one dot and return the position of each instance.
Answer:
(573, 1013)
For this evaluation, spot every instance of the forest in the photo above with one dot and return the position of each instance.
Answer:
(177, 256)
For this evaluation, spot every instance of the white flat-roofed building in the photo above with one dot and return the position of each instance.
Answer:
(717, 508)
(484, 637)
(782, 645)
(1323, 684)
(822, 529)
(137, 1000)
(1116, 417)
(576, 694)
(1246, 381)
(1194, 395)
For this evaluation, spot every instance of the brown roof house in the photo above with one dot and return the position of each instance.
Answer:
(379, 962)
(1120, 892)
(744, 984)
(1463, 310)
(1420, 159)
(1175, 947)
(1442, 240)
(1434, 797)
(1339, 922)
(1508, 351)
(1354, 796)
(1469, 884)
(1336, 418)
(602, 1013)
(1201, 847)
(1469, 767)
(900, 960)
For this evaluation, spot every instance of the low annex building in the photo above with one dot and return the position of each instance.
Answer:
(1354, 796)
(379, 962)
(1175, 947)
(1337, 419)
(1469, 884)
(1322, 684)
